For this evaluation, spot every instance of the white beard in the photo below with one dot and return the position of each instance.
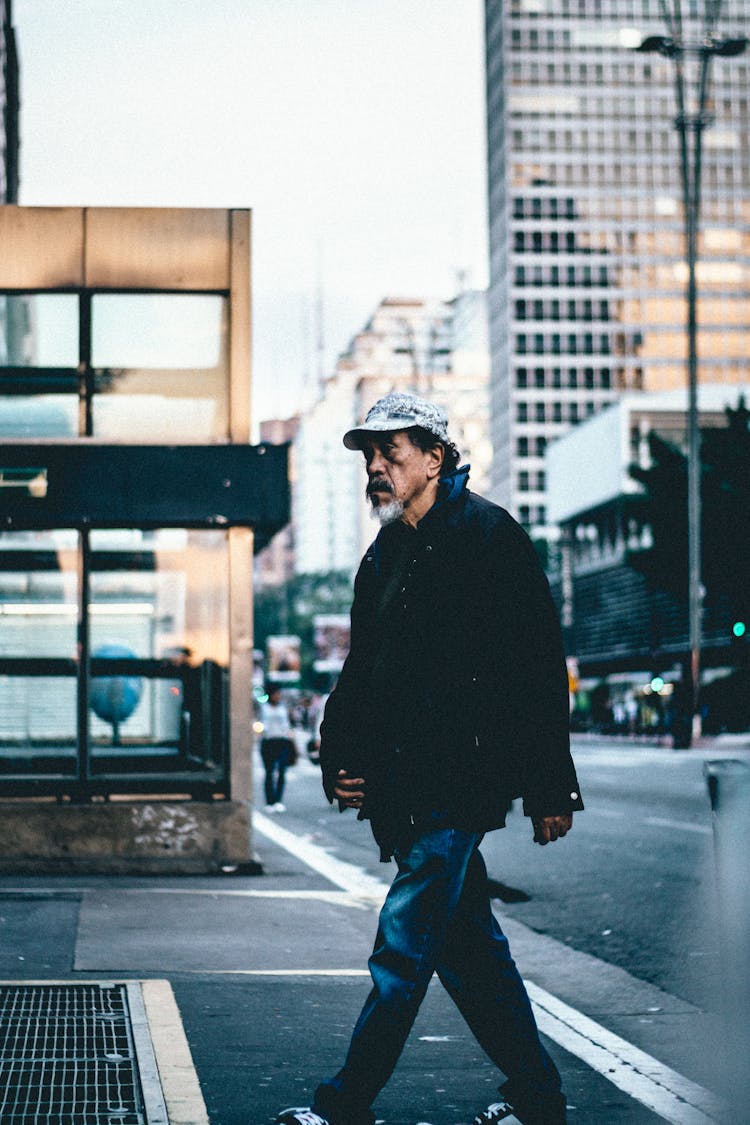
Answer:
(388, 513)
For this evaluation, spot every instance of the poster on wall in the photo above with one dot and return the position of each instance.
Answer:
(331, 637)
(283, 659)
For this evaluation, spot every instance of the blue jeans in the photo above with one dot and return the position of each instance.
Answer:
(437, 918)
(276, 754)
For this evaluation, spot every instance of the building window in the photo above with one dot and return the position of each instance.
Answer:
(523, 481)
(539, 377)
(523, 412)
(541, 446)
(522, 447)
(522, 377)
(539, 411)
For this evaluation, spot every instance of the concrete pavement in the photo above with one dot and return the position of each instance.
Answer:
(268, 974)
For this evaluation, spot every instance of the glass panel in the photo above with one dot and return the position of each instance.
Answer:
(38, 716)
(161, 368)
(39, 333)
(38, 627)
(38, 416)
(39, 330)
(38, 594)
(159, 606)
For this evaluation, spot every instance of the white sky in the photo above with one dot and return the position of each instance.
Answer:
(353, 128)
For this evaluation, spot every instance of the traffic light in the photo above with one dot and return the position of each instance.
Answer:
(739, 628)
(657, 683)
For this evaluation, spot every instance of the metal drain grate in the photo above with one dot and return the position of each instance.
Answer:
(68, 1056)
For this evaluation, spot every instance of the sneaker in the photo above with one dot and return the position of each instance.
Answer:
(270, 809)
(498, 1111)
(300, 1115)
(278, 807)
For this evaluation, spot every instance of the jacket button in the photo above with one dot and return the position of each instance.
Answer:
(574, 795)
(428, 547)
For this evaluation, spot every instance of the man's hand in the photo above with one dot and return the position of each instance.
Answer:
(350, 790)
(551, 828)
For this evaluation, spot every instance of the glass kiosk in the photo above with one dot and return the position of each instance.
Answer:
(130, 504)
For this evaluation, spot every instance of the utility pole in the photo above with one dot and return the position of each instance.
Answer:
(691, 44)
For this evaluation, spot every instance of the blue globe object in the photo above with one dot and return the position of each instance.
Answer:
(114, 698)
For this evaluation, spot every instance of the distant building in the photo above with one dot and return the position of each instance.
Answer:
(274, 565)
(587, 279)
(616, 628)
(437, 349)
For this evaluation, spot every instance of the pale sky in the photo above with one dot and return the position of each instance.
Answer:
(354, 129)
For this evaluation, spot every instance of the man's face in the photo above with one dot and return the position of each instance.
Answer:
(400, 476)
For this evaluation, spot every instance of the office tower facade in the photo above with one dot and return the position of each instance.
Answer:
(587, 271)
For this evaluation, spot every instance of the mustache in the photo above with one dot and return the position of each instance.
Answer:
(378, 484)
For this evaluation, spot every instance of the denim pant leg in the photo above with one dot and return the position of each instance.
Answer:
(480, 975)
(414, 924)
(280, 768)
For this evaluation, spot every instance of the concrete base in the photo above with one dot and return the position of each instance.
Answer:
(124, 836)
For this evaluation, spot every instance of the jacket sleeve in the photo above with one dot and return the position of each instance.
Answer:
(340, 742)
(535, 712)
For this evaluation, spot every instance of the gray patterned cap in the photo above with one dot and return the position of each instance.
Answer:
(399, 411)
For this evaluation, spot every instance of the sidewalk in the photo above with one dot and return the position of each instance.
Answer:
(718, 745)
(269, 972)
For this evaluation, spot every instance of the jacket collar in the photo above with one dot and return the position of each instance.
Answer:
(451, 494)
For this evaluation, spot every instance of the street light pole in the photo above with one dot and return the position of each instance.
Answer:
(696, 45)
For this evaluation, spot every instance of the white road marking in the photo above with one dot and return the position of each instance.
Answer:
(281, 972)
(657, 1086)
(664, 1091)
(654, 821)
(678, 825)
(345, 875)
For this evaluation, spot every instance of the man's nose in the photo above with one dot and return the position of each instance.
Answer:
(375, 464)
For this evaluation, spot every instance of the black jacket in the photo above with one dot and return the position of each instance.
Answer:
(454, 696)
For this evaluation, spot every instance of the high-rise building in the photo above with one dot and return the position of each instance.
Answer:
(587, 271)
(434, 348)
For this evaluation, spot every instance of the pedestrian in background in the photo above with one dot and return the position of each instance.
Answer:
(277, 748)
(453, 700)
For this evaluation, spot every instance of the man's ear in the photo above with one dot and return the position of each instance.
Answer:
(435, 461)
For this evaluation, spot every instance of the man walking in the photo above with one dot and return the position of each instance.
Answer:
(452, 702)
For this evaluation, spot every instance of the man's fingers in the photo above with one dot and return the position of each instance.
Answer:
(552, 828)
(350, 790)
